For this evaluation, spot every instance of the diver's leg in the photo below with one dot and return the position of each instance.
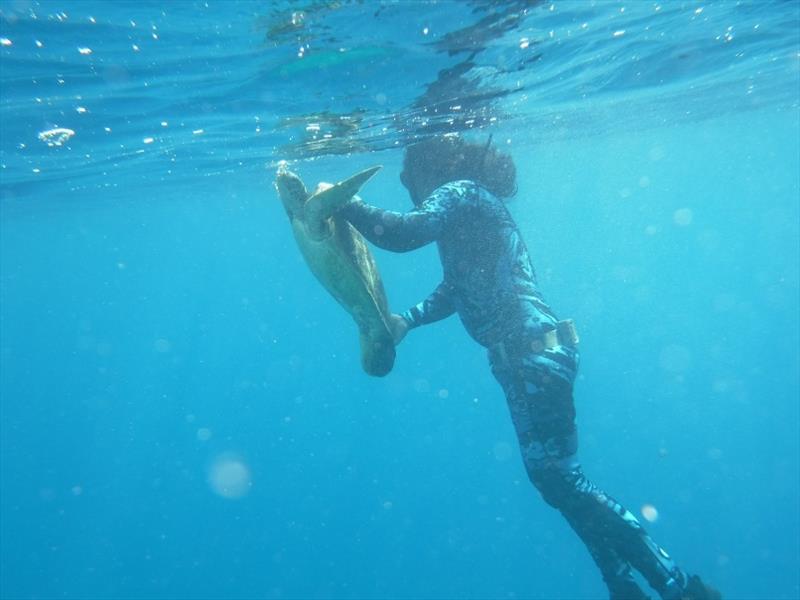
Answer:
(542, 408)
(617, 573)
(595, 515)
(510, 374)
(602, 521)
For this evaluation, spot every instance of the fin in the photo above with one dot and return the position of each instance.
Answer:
(327, 202)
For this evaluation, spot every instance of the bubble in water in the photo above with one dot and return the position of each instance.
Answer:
(229, 477)
(683, 217)
(650, 513)
(162, 345)
(56, 136)
(421, 385)
(720, 386)
(675, 358)
(656, 153)
(204, 434)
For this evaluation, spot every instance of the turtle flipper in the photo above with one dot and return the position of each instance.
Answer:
(377, 354)
(327, 202)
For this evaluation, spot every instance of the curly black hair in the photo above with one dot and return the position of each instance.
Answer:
(444, 158)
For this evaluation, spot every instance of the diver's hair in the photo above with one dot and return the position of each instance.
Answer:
(444, 158)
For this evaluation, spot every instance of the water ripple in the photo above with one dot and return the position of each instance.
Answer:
(239, 85)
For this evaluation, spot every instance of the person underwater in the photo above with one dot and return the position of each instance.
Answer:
(457, 189)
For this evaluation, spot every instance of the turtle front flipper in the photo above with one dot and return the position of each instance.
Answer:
(325, 203)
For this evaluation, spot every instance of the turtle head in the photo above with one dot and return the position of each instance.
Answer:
(291, 190)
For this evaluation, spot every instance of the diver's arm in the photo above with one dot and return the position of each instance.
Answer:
(437, 306)
(400, 232)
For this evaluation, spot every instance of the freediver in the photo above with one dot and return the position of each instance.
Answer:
(458, 190)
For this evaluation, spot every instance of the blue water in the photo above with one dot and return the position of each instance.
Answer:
(183, 413)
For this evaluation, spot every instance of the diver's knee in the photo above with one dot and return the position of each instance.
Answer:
(554, 484)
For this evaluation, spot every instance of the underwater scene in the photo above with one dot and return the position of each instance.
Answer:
(550, 349)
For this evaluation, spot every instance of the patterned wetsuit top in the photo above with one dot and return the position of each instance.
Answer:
(488, 276)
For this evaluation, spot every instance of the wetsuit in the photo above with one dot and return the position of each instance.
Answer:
(490, 282)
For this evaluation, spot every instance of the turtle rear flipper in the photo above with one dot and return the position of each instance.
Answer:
(377, 355)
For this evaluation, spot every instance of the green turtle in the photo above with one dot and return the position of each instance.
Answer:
(338, 256)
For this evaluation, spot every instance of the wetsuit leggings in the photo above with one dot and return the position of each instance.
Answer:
(538, 387)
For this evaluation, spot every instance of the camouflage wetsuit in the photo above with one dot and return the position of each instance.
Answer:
(490, 282)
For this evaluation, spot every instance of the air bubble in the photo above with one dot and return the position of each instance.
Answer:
(650, 513)
(229, 477)
(683, 217)
(56, 136)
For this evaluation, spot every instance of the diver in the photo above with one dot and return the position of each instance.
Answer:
(457, 189)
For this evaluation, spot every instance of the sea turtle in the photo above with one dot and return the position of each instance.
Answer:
(338, 256)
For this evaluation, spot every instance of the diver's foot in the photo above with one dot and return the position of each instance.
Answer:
(696, 589)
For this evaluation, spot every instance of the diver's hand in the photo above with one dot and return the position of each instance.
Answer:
(399, 328)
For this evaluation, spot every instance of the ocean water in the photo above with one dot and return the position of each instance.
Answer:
(182, 409)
